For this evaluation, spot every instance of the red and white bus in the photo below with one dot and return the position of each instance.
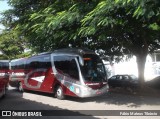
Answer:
(4, 76)
(73, 72)
(17, 72)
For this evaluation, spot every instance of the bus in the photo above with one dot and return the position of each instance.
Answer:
(17, 73)
(4, 77)
(64, 72)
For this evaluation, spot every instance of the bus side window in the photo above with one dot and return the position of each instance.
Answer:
(4, 65)
(44, 62)
(66, 65)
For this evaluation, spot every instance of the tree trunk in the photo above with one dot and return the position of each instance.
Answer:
(141, 60)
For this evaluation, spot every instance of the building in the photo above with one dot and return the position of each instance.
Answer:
(152, 66)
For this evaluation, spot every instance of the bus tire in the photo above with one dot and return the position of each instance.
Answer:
(20, 87)
(59, 93)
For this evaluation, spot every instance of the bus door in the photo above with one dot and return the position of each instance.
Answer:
(66, 71)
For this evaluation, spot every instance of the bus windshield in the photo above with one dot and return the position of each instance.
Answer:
(93, 69)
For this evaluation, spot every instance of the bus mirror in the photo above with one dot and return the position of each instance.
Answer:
(81, 61)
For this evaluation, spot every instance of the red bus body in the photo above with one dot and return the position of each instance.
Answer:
(61, 72)
(4, 76)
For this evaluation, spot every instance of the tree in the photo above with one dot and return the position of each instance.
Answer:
(12, 41)
(49, 25)
(12, 45)
(128, 27)
(117, 27)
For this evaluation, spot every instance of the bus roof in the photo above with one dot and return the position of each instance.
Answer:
(4, 60)
(73, 51)
(14, 60)
(80, 51)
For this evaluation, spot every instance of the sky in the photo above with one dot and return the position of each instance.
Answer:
(3, 6)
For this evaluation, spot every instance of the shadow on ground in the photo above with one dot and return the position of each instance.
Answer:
(117, 97)
(120, 97)
(114, 97)
(13, 101)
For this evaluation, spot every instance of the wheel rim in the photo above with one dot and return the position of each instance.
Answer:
(20, 86)
(59, 92)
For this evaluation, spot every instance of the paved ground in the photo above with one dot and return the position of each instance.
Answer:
(76, 106)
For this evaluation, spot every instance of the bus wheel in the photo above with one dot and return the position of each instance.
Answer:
(59, 93)
(20, 87)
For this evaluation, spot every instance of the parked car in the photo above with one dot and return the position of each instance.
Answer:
(4, 76)
(124, 81)
(154, 83)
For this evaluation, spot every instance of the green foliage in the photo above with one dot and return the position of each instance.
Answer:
(3, 57)
(116, 27)
(11, 45)
(124, 27)
(49, 25)
(130, 23)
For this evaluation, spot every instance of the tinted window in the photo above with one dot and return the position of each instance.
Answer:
(119, 77)
(133, 77)
(39, 62)
(124, 77)
(113, 78)
(67, 66)
(4, 65)
(19, 64)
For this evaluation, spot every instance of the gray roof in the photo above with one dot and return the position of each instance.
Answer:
(79, 51)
